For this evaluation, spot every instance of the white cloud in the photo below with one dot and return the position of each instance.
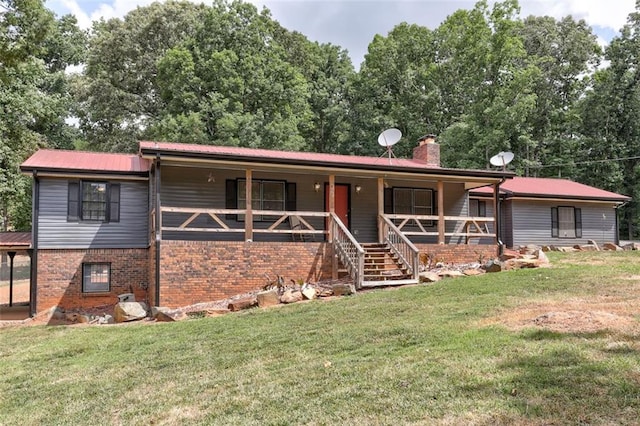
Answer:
(608, 14)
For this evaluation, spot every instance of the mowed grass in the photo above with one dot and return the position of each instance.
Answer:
(412, 355)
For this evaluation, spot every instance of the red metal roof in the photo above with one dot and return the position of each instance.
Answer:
(551, 188)
(282, 155)
(57, 159)
(15, 239)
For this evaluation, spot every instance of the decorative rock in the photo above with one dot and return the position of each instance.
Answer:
(567, 249)
(107, 319)
(473, 272)
(492, 266)
(161, 314)
(56, 312)
(325, 292)
(631, 246)
(593, 243)
(509, 254)
(84, 319)
(344, 289)
(268, 298)
(309, 293)
(291, 296)
(429, 277)
(521, 263)
(529, 249)
(542, 258)
(611, 246)
(126, 297)
(240, 304)
(586, 247)
(450, 274)
(129, 311)
(71, 316)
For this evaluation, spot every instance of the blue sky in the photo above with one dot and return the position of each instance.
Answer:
(352, 24)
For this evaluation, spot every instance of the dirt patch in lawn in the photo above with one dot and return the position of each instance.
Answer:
(616, 309)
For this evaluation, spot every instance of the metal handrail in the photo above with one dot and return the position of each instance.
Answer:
(400, 244)
(349, 251)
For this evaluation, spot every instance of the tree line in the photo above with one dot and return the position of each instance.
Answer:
(485, 80)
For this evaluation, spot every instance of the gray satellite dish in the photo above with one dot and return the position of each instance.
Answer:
(501, 159)
(388, 139)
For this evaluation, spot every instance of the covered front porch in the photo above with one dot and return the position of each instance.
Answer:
(372, 227)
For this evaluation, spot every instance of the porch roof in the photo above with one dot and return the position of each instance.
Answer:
(13, 241)
(58, 160)
(551, 188)
(150, 149)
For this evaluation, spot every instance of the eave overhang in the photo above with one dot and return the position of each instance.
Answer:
(475, 178)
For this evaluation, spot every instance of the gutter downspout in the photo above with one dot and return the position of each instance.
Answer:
(496, 196)
(158, 230)
(33, 284)
(617, 241)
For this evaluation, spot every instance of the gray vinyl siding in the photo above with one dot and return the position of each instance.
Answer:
(55, 232)
(532, 223)
(506, 226)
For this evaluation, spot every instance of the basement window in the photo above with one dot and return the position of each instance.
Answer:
(96, 277)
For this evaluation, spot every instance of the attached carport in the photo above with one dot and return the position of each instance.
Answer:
(13, 244)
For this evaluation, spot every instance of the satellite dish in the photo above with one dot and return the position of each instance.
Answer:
(389, 137)
(501, 159)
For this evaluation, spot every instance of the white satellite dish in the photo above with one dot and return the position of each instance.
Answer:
(388, 139)
(501, 159)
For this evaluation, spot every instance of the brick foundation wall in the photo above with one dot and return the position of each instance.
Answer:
(200, 271)
(60, 277)
(459, 253)
(152, 274)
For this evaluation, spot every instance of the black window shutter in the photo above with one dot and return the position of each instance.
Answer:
(290, 197)
(114, 202)
(578, 217)
(73, 204)
(554, 222)
(388, 200)
(231, 197)
(434, 202)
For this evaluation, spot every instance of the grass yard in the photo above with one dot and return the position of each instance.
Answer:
(527, 347)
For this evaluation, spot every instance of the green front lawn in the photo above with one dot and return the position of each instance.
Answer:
(432, 354)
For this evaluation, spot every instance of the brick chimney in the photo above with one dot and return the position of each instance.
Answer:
(428, 151)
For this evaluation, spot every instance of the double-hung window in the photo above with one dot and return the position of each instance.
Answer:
(93, 201)
(413, 201)
(566, 222)
(265, 195)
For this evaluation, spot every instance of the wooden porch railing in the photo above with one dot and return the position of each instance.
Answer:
(217, 215)
(349, 251)
(400, 244)
(467, 226)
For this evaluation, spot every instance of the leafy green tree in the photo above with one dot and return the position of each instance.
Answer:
(611, 122)
(564, 52)
(395, 88)
(35, 49)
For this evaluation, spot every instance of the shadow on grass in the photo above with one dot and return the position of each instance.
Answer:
(536, 334)
(560, 380)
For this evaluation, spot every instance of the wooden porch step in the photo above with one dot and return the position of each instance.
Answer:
(404, 281)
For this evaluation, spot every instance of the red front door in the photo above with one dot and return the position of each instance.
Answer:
(342, 202)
